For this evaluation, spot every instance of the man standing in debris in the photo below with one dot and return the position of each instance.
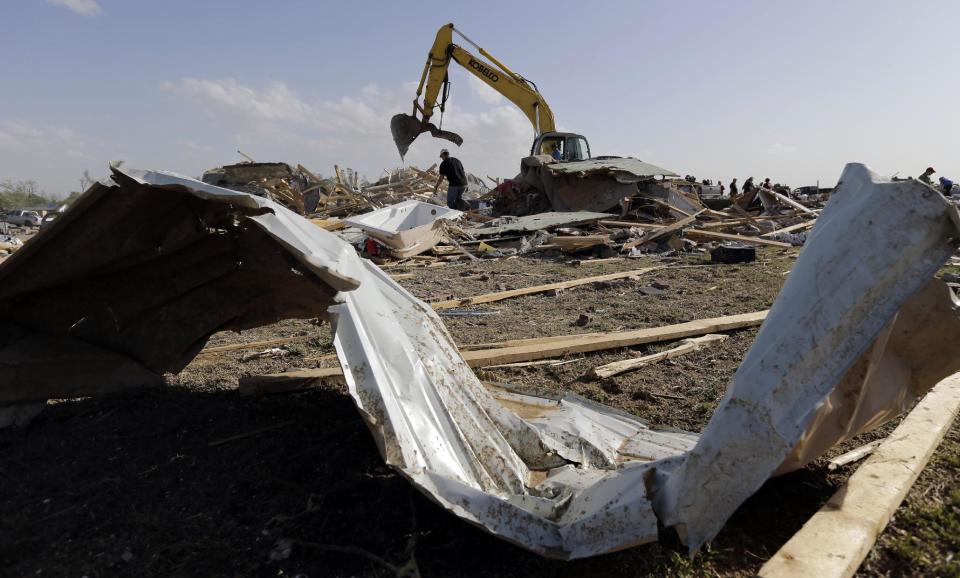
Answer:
(733, 189)
(456, 179)
(925, 177)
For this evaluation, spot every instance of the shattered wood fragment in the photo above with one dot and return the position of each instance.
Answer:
(728, 237)
(525, 350)
(255, 344)
(791, 228)
(501, 295)
(853, 455)
(662, 232)
(686, 346)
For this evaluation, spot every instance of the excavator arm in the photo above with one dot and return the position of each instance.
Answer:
(434, 82)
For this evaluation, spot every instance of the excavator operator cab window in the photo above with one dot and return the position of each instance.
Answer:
(576, 149)
(571, 148)
(553, 148)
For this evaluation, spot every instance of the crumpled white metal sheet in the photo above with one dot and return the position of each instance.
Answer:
(569, 478)
(875, 244)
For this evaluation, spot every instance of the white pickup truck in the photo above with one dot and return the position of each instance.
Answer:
(23, 218)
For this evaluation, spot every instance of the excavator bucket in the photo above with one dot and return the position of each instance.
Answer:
(406, 128)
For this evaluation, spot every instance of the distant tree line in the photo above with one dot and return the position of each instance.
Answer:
(26, 194)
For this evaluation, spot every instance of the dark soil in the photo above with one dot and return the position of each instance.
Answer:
(195, 480)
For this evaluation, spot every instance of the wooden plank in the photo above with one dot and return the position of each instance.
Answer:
(729, 237)
(255, 344)
(665, 231)
(501, 295)
(630, 224)
(788, 201)
(853, 455)
(671, 207)
(791, 228)
(289, 381)
(672, 228)
(574, 243)
(524, 350)
(686, 346)
(834, 542)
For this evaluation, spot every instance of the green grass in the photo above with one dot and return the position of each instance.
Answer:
(929, 537)
(932, 542)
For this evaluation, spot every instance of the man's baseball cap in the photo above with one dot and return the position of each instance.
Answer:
(444, 152)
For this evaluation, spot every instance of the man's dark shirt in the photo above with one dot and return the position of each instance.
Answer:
(453, 170)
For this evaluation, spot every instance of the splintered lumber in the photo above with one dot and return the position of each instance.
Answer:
(853, 455)
(523, 350)
(740, 238)
(289, 381)
(501, 295)
(575, 243)
(664, 231)
(255, 344)
(686, 346)
(788, 201)
(835, 540)
(791, 228)
(629, 224)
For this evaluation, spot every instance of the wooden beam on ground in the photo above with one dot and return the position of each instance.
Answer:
(255, 344)
(629, 224)
(743, 212)
(853, 455)
(788, 201)
(686, 346)
(524, 350)
(501, 295)
(728, 237)
(575, 243)
(834, 542)
(791, 228)
(672, 228)
(662, 232)
(289, 381)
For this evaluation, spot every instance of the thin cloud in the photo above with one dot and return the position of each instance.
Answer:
(53, 155)
(275, 122)
(82, 7)
(783, 149)
(483, 91)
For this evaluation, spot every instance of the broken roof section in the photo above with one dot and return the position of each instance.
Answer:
(112, 294)
(629, 166)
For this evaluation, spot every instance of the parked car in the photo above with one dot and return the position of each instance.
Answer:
(23, 218)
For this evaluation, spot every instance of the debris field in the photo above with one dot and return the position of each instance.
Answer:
(639, 316)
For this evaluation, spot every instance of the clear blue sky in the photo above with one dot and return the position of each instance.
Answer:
(789, 90)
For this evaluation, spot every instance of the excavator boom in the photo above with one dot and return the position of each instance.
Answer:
(518, 90)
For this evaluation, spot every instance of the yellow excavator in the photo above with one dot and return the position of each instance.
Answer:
(435, 86)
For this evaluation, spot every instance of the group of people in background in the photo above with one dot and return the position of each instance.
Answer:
(946, 185)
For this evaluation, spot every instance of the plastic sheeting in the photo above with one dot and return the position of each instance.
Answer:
(569, 478)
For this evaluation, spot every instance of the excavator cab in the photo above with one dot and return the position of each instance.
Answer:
(562, 146)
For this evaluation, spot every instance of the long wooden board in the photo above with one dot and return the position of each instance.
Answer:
(527, 350)
(834, 542)
(728, 237)
(501, 295)
(688, 345)
(791, 228)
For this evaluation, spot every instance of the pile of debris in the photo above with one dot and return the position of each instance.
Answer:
(669, 219)
(345, 194)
